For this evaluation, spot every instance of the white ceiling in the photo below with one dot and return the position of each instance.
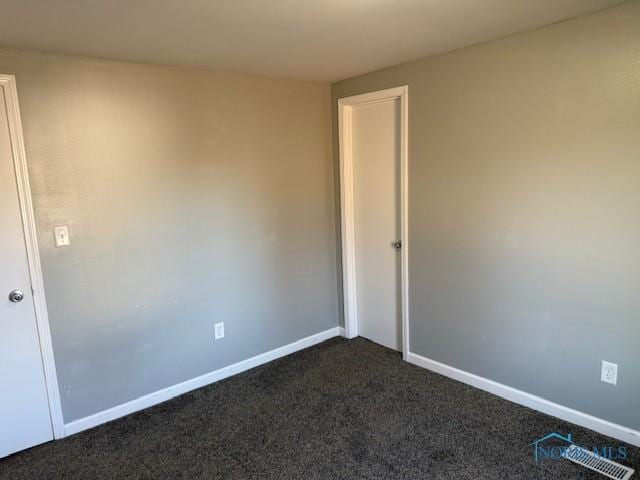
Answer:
(308, 39)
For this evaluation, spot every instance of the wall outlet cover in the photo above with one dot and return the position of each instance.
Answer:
(218, 329)
(609, 372)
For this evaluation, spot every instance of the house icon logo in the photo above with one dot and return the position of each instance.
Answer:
(555, 446)
(541, 450)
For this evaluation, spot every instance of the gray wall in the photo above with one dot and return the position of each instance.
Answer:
(192, 197)
(525, 208)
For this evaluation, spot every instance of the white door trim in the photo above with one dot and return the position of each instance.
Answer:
(8, 84)
(345, 108)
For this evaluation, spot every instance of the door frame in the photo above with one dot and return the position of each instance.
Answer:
(8, 84)
(345, 145)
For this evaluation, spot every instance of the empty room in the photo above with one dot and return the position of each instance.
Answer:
(331, 239)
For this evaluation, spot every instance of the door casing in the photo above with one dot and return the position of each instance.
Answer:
(8, 84)
(345, 142)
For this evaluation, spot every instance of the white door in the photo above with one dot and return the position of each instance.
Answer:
(24, 410)
(376, 206)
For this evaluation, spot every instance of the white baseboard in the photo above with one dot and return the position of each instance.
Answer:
(599, 425)
(342, 331)
(201, 381)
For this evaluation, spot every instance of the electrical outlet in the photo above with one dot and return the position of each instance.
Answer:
(218, 329)
(609, 373)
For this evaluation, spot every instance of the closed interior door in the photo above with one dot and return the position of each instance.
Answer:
(24, 409)
(376, 197)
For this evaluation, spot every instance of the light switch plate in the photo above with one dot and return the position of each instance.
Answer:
(61, 235)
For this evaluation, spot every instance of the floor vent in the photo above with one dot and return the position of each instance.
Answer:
(588, 459)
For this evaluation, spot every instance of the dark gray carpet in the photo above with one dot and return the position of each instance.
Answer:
(340, 410)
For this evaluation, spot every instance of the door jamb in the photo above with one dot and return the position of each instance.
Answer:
(8, 84)
(345, 141)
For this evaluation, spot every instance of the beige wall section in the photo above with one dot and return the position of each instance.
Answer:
(524, 160)
(192, 197)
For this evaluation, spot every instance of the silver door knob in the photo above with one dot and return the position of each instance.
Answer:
(397, 245)
(16, 296)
